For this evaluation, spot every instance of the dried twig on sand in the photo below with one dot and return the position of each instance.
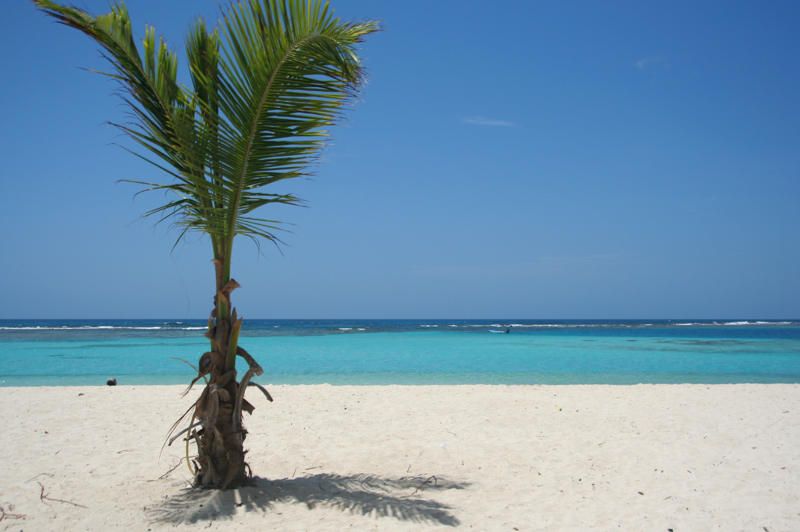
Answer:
(426, 481)
(39, 475)
(165, 475)
(6, 515)
(43, 496)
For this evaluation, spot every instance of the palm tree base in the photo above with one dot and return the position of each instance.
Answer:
(216, 423)
(220, 462)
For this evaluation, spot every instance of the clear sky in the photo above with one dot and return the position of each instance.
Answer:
(559, 159)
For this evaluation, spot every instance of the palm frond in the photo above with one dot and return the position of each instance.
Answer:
(265, 87)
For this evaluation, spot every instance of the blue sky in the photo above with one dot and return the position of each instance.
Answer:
(510, 159)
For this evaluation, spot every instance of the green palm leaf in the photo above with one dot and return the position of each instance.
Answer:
(264, 88)
(265, 85)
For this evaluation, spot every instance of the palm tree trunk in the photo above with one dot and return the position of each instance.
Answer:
(220, 462)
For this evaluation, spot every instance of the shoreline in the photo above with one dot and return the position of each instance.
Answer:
(587, 378)
(494, 457)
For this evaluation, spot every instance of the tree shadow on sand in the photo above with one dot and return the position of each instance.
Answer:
(358, 494)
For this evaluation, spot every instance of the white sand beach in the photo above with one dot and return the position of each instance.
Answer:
(646, 457)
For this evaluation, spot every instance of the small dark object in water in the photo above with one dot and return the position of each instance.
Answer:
(111, 382)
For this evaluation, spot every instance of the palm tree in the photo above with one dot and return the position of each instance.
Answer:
(264, 85)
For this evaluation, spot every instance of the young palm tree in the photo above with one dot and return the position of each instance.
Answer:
(264, 85)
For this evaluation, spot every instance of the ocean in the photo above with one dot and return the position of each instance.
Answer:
(411, 352)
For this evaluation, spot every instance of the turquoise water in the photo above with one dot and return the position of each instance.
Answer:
(35, 353)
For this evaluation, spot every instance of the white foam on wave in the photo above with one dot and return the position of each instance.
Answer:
(65, 328)
(551, 325)
(428, 325)
(345, 328)
(758, 323)
(99, 327)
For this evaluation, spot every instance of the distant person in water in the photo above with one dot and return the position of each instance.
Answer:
(508, 330)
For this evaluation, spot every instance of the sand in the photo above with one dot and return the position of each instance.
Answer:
(646, 457)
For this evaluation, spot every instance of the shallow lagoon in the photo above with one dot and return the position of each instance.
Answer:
(45, 352)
